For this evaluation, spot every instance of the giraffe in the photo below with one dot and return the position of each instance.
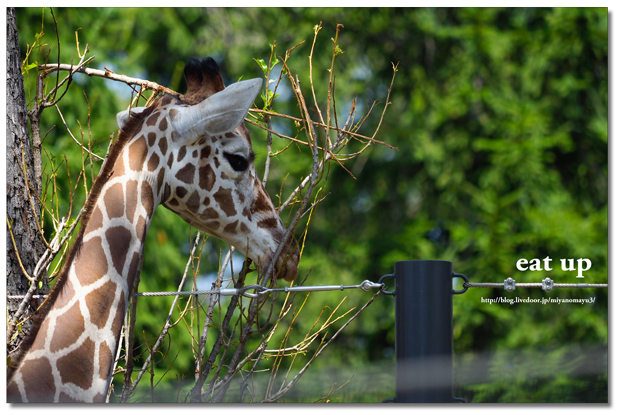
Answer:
(191, 153)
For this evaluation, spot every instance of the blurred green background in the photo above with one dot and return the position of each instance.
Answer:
(500, 119)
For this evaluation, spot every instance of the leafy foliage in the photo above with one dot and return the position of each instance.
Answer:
(500, 119)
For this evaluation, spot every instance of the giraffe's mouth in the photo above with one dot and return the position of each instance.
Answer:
(287, 264)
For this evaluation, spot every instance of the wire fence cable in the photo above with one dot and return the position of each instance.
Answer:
(260, 290)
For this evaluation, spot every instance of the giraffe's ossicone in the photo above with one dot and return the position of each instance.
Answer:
(193, 154)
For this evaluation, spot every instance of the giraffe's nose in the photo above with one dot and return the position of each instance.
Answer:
(287, 264)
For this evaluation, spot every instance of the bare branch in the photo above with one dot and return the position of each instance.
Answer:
(72, 136)
(282, 391)
(50, 67)
(167, 324)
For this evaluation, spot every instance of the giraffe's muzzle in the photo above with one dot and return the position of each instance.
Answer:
(286, 266)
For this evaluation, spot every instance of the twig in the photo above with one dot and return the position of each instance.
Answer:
(119, 347)
(107, 74)
(167, 324)
(19, 260)
(43, 263)
(72, 136)
(196, 394)
(213, 299)
(282, 391)
(130, 319)
(270, 131)
(319, 124)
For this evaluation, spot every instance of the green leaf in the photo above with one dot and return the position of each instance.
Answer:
(29, 67)
(262, 64)
(268, 99)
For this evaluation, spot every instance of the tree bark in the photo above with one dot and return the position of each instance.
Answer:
(22, 213)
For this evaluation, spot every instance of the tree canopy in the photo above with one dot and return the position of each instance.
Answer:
(500, 120)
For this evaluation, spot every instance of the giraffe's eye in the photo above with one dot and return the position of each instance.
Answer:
(237, 161)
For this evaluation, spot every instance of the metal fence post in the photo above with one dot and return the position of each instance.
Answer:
(423, 331)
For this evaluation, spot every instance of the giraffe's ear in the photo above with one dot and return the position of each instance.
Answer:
(218, 114)
(123, 116)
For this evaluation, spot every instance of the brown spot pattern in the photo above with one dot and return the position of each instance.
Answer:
(229, 134)
(43, 388)
(65, 295)
(268, 223)
(133, 268)
(152, 137)
(206, 178)
(181, 191)
(240, 196)
(246, 212)
(147, 198)
(95, 222)
(163, 125)
(119, 167)
(205, 152)
(210, 213)
(137, 154)
(119, 317)
(77, 367)
(152, 120)
(182, 152)
(167, 192)
(173, 114)
(114, 201)
(262, 203)
(39, 341)
(89, 268)
(153, 162)
(213, 225)
(141, 228)
(132, 199)
(223, 197)
(163, 145)
(69, 327)
(105, 360)
(186, 174)
(119, 239)
(12, 393)
(99, 302)
(170, 160)
(231, 227)
(193, 202)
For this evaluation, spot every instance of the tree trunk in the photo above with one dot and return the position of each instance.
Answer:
(22, 213)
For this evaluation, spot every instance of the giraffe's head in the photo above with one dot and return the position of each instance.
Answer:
(201, 155)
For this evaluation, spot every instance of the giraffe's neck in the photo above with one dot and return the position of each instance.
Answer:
(73, 352)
